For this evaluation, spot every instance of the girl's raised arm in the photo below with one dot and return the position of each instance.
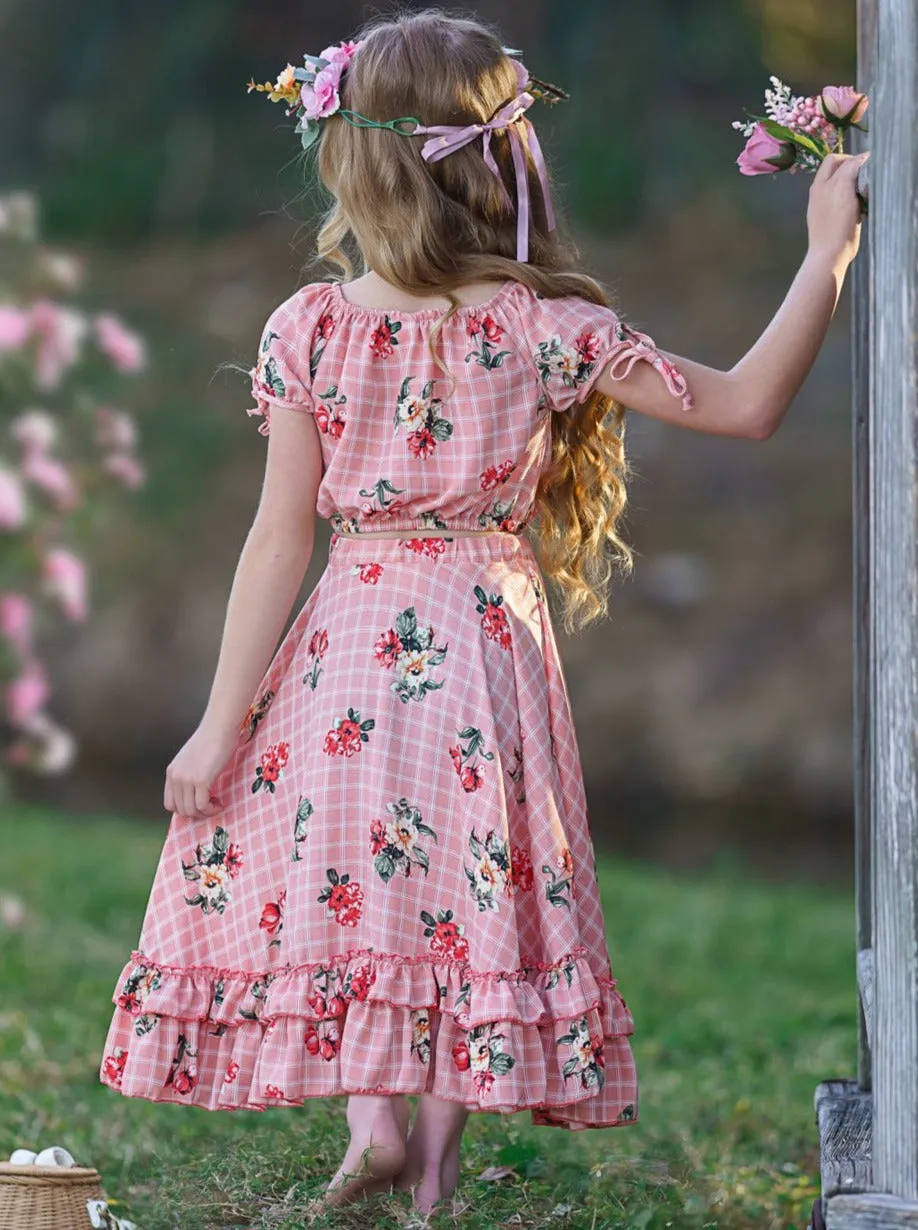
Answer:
(751, 399)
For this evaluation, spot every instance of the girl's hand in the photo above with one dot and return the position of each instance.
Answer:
(833, 215)
(193, 769)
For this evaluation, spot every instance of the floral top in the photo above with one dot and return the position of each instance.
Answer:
(403, 447)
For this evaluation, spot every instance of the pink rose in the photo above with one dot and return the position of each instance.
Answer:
(124, 348)
(126, 468)
(16, 621)
(14, 327)
(65, 579)
(114, 428)
(26, 694)
(60, 332)
(765, 153)
(53, 477)
(321, 98)
(12, 500)
(842, 104)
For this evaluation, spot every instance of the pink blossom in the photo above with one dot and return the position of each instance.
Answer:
(125, 349)
(12, 500)
(64, 575)
(14, 327)
(842, 104)
(60, 331)
(16, 621)
(126, 467)
(34, 429)
(322, 97)
(26, 694)
(53, 477)
(342, 53)
(764, 153)
(56, 746)
(114, 428)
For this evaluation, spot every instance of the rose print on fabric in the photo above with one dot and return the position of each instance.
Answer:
(380, 493)
(146, 1023)
(408, 649)
(330, 414)
(431, 520)
(113, 1066)
(559, 890)
(325, 1001)
(271, 769)
(265, 371)
(258, 990)
(394, 842)
(183, 1072)
(316, 650)
(483, 1052)
(216, 862)
(587, 1060)
(358, 981)
(256, 713)
(344, 898)
(272, 918)
(470, 772)
(493, 617)
(324, 1041)
(563, 969)
(421, 413)
(490, 873)
(232, 1071)
(348, 734)
(368, 573)
(429, 546)
(420, 1034)
(521, 869)
(274, 1091)
(304, 810)
(325, 327)
(573, 364)
(494, 475)
(486, 335)
(137, 986)
(446, 937)
(343, 525)
(498, 517)
(384, 338)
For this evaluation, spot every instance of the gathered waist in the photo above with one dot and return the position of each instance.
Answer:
(409, 545)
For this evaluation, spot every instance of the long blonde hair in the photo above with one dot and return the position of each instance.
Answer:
(434, 227)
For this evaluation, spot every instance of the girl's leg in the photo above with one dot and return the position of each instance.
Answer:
(377, 1148)
(432, 1161)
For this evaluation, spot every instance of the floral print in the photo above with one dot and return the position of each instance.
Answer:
(368, 573)
(271, 769)
(446, 937)
(325, 327)
(498, 517)
(324, 1041)
(216, 862)
(266, 371)
(559, 890)
(348, 734)
(521, 875)
(420, 1034)
(183, 1071)
(113, 1066)
(330, 413)
(380, 493)
(316, 650)
(137, 986)
(430, 546)
(272, 918)
(587, 1059)
(493, 617)
(470, 772)
(421, 413)
(256, 713)
(344, 898)
(483, 1053)
(515, 773)
(572, 363)
(258, 990)
(486, 334)
(494, 475)
(394, 842)
(304, 810)
(409, 650)
(490, 874)
(384, 338)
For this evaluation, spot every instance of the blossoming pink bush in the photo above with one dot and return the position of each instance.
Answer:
(57, 463)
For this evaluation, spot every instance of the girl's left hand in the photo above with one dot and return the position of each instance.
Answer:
(193, 770)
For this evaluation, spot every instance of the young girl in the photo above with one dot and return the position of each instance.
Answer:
(378, 878)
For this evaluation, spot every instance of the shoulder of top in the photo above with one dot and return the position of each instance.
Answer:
(307, 303)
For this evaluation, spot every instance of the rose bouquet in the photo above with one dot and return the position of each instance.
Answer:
(796, 133)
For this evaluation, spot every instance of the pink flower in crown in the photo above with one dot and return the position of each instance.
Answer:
(342, 53)
(323, 96)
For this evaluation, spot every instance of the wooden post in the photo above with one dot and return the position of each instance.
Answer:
(860, 507)
(893, 230)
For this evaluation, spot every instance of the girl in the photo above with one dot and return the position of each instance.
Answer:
(378, 878)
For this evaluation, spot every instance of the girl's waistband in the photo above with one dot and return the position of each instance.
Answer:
(408, 546)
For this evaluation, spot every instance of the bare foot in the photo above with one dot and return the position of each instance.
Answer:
(431, 1170)
(376, 1152)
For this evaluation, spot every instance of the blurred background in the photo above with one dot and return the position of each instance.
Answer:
(714, 707)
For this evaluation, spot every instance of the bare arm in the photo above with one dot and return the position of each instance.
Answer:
(752, 398)
(268, 577)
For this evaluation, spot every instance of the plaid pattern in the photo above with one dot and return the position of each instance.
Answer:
(399, 894)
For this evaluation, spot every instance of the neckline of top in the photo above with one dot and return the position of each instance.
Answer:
(465, 309)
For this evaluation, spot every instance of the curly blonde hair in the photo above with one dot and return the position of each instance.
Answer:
(453, 70)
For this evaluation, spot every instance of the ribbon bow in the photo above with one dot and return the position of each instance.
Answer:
(445, 138)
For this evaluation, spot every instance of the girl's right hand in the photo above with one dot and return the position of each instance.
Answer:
(192, 771)
(833, 215)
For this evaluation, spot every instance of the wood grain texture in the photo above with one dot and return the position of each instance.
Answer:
(860, 539)
(870, 1211)
(893, 235)
(843, 1113)
(865, 982)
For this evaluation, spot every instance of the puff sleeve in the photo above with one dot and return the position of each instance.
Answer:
(280, 376)
(573, 341)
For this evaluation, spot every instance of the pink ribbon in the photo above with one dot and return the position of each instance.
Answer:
(445, 138)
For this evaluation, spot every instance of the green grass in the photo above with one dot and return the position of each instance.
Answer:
(743, 998)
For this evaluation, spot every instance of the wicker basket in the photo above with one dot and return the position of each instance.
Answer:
(47, 1197)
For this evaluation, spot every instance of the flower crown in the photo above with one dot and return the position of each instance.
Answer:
(313, 93)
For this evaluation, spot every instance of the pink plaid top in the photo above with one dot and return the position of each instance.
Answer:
(423, 457)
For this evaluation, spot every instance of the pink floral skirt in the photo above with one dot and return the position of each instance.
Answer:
(399, 894)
